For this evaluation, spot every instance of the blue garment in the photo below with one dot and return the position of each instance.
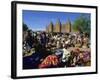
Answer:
(59, 52)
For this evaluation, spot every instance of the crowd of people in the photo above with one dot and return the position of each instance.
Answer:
(50, 50)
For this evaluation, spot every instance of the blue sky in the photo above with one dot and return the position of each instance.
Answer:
(38, 20)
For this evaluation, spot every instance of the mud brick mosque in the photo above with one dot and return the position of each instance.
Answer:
(59, 27)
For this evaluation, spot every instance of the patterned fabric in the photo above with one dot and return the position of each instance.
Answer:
(87, 56)
(49, 61)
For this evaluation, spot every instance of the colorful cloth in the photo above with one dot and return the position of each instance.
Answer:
(87, 56)
(49, 61)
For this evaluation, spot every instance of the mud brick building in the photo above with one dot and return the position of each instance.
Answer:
(59, 27)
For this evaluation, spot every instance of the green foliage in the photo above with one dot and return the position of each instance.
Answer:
(82, 24)
(25, 27)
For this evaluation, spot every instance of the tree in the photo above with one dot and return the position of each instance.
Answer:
(25, 27)
(82, 24)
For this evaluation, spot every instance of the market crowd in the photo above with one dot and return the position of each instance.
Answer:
(54, 50)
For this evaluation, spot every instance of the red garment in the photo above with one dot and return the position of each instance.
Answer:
(49, 61)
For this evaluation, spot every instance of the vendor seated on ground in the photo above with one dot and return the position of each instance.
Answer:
(53, 60)
(80, 58)
(74, 57)
(64, 56)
